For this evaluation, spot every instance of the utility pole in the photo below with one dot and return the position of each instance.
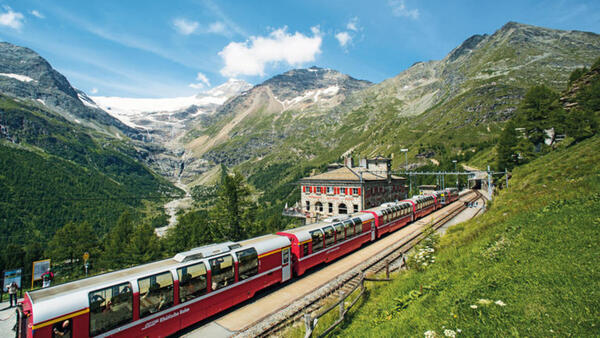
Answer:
(454, 161)
(506, 175)
(489, 182)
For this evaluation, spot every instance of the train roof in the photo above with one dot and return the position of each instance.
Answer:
(303, 233)
(73, 296)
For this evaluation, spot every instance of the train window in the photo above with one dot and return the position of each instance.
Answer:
(222, 272)
(110, 307)
(62, 329)
(156, 293)
(339, 232)
(328, 235)
(192, 281)
(248, 263)
(349, 226)
(357, 226)
(305, 249)
(317, 240)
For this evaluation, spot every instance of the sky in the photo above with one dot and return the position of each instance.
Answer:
(179, 48)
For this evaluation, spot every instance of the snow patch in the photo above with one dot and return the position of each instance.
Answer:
(22, 78)
(313, 95)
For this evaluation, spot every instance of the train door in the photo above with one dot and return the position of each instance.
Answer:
(372, 231)
(286, 269)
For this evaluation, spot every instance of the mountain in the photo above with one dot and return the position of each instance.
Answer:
(248, 119)
(450, 108)
(26, 75)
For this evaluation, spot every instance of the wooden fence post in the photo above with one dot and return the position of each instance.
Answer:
(342, 305)
(308, 325)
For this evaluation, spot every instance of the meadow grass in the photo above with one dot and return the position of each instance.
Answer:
(527, 267)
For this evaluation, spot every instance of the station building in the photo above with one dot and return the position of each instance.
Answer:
(345, 189)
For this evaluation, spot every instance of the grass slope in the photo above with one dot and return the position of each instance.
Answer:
(535, 250)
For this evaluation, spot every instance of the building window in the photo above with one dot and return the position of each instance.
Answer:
(354, 191)
(307, 205)
(342, 209)
(355, 207)
(330, 208)
(330, 190)
(319, 207)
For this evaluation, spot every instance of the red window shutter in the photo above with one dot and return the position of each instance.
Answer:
(323, 189)
(303, 188)
(359, 191)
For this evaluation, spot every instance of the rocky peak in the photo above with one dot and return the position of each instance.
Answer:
(295, 82)
(26, 75)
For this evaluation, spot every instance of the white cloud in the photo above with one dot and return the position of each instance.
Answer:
(36, 13)
(251, 57)
(399, 9)
(204, 82)
(353, 24)
(217, 28)
(94, 91)
(11, 19)
(184, 26)
(343, 38)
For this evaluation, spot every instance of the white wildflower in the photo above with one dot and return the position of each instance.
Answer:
(473, 306)
(449, 333)
(484, 301)
(458, 330)
(430, 334)
(500, 303)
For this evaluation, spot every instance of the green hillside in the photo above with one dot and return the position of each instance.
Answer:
(527, 267)
(53, 172)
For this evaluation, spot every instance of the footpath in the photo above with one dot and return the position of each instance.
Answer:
(7, 318)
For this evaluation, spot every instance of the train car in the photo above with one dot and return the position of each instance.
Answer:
(437, 195)
(391, 216)
(452, 194)
(159, 298)
(422, 205)
(325, 241)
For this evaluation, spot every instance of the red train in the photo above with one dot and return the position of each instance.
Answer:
(161, 298)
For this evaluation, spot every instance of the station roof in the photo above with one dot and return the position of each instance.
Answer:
(350, 174)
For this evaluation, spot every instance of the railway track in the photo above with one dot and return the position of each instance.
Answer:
(353, 279)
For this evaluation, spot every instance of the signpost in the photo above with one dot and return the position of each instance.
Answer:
(86, 256)
(39, 267)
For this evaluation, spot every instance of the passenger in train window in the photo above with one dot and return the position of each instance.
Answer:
(62, 329)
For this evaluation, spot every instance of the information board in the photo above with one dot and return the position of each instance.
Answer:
(11, 276)
(39, 267)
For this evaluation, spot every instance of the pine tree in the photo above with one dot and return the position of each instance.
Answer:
(192, 230)
(232, 210)
(538, 111)
(117, 242)
(506, 147)
(71, 241)
(144, 245)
